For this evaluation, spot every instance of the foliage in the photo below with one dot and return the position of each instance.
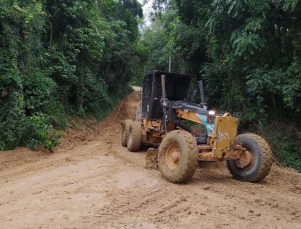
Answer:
(286, 151)
(63, 57)
(39, 132)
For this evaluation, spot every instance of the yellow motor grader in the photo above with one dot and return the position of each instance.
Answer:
(161, 121)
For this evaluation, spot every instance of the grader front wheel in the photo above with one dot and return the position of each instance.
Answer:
(255, 161)
(178, 156)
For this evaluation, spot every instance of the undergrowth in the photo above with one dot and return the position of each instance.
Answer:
(284, 139)
(285, 150)
(38, 132)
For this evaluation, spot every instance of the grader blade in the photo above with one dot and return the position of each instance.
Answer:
(151, 159)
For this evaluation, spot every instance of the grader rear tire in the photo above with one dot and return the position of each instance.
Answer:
(178, 156)
(134, 137)
(255, 163)
(125, 131)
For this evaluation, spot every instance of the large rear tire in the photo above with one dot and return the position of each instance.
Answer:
(125, 131)
(134, 136)
(255, 162)
(178, 156)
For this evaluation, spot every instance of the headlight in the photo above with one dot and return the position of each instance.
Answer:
(211, 117)
(212, 113)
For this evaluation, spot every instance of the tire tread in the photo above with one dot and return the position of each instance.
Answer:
(190, 165)
(124, 131)
(136, 136)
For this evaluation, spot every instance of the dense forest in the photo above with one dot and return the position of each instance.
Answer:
(62, 57)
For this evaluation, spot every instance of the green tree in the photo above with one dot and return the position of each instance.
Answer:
(63, 56)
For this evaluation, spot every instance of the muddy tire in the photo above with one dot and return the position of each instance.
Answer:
(125, 131)
(134, 136)
(178, 156)
(255, 163)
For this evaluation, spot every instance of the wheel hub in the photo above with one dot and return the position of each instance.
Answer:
(173, 156)
(176, 156)
(246, 160)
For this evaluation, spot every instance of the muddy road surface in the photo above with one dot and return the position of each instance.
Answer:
(91, 181)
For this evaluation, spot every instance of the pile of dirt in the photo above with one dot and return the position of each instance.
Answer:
(151, 159)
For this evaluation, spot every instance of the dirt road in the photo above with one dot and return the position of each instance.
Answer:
(91, 181)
